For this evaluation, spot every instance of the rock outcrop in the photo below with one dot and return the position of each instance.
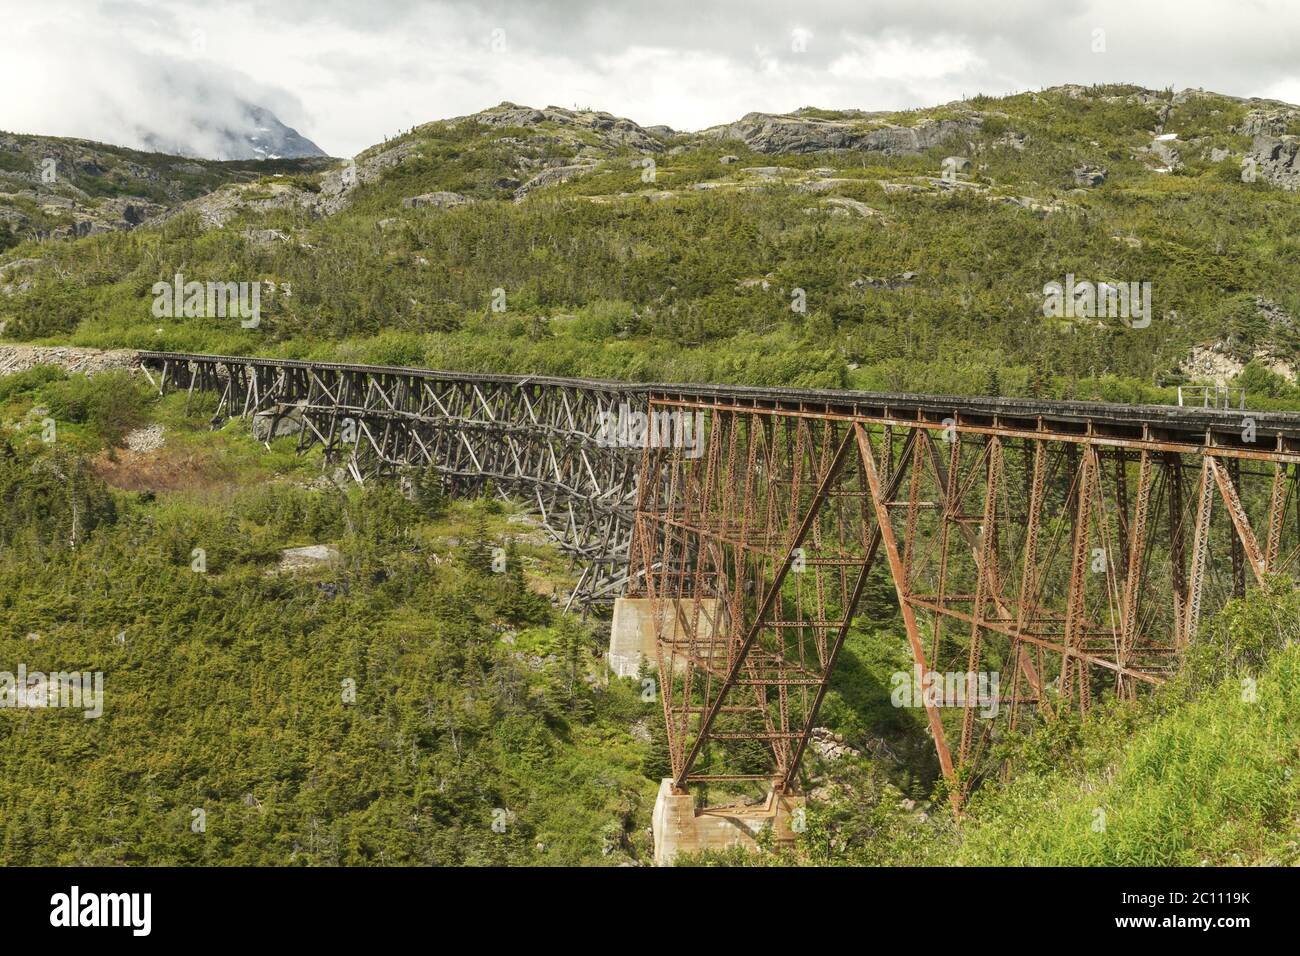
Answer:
(1165, 149)
(276, 422)
(1274, 120)
(436, 200)
(338, 184)
(1220, 361)
(842, 205)
(792, 133)
(53, 188)
(829, 745)
(611, 131)
(14, 276)
(1277, 160)
(552, 177)
(221, 206)
(1089, 176)
(309, 557)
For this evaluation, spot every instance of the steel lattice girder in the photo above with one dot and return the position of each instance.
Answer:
(1045, 540)
(540, 443)
(1035, 557)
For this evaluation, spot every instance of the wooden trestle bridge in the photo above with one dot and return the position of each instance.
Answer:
(1072, 548)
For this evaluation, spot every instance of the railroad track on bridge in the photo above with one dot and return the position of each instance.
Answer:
(1072, 548)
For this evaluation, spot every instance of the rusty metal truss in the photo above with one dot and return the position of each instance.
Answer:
(538, 441)
(1070, 548)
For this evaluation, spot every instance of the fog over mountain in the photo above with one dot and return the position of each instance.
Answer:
(256, 134)
(171, 100)
(346, 75)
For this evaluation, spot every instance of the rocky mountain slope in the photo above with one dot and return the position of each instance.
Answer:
(55, 188)
(258, 135)
(920, 241)
(816, 131)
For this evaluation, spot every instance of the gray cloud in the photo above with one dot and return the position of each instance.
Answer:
(97, 82)
(347, 73)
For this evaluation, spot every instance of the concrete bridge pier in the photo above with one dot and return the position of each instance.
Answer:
(681, 827)
(632, 638)
(634, 633)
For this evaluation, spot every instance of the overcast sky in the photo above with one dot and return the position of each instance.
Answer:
(347, 72)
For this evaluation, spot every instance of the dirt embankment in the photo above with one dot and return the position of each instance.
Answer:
(19, 358)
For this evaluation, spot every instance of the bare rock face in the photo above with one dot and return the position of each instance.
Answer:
(88, 217)
(613, 131)
(1166, 150)
(825, 185)
(1223, 360)
(1272, 120)
(849, 207)
(769, 172)
(1086, 175)
(436, 200)
(277, 422)
(222, 205)
(777, 133)
(15, 276)
(337, 185)
(265, 237)
(1273, 153)
(552, 177)
(309, 557)
(1277, 160)
(1210, 362)
(85, 189)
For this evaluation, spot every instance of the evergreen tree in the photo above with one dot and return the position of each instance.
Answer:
(1040, 381)
(476, 551)
(567, 675)
(429, 494)
(516, 602)
(657, 762)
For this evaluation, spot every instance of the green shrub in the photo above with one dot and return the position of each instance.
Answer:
(112, 403)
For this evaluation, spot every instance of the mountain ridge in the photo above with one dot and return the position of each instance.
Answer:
(921, 243)
(263, 136)
(805, 130)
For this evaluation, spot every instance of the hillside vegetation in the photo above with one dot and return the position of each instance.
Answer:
(54, 188)
(581, 244)
(482, 728)
(400, 704)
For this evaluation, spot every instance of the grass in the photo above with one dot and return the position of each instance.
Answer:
(1214, 782)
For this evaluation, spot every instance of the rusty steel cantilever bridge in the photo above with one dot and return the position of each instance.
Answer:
(1071, 547)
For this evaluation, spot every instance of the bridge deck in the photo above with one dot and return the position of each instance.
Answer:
(1278, 430)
